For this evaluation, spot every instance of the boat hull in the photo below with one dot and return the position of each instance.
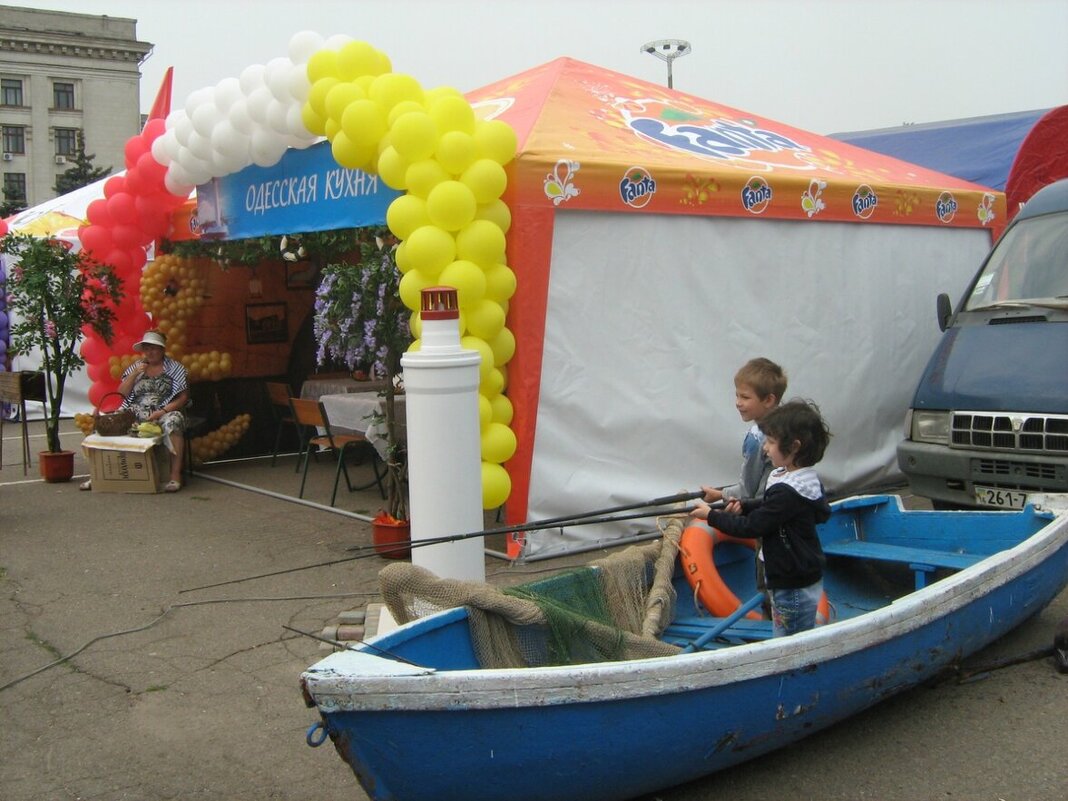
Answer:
(619, 730)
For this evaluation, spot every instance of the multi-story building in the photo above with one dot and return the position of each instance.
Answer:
(62, 73)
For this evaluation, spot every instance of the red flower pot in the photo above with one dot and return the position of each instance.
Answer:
(56, 467)
(391, 538)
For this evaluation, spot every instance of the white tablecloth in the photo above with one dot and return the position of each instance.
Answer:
(364, 413)
(315, 388)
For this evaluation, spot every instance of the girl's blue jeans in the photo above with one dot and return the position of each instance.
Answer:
(794, 610)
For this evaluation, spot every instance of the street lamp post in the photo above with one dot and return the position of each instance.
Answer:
(667, 50)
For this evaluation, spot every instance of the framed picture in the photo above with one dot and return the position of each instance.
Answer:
(266, 322)
(300, 275)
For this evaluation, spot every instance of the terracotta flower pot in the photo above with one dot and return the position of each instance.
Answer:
(56, 467)
(388, 537)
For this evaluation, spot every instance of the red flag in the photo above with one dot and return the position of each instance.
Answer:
(162, 106)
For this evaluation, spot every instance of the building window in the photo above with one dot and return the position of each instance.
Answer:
(62, 95)
(15, 187)
(66, 141)
(10, 92)
(14, 139)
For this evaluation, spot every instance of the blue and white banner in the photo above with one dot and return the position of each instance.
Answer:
(306, 191)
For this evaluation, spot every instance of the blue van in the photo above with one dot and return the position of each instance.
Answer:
(989, 420)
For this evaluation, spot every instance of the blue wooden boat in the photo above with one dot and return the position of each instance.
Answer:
(914, 593)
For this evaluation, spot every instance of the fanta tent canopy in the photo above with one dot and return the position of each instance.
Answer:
(1017, 153)
(660, 241)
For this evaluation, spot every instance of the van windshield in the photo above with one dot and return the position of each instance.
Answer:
(1030, 263)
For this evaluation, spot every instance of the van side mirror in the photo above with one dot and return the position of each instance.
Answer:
(944, 310)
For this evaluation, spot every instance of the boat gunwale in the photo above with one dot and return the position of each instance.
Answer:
(360, 680)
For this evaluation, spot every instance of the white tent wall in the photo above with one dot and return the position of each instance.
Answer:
(645, 332)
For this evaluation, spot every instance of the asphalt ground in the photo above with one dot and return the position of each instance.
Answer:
(176, 692)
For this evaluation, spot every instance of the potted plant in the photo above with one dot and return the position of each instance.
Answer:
(54, 294)
(361, 322)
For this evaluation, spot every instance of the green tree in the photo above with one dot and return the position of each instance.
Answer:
(83, 172)
(13, 204)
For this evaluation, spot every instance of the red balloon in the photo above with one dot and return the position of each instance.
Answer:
(114, 185)
(136, 184)
(3, 227)
(135, 148)
(98, 371)
(137, 260)
(97, 212)
(152, 170)
(119, 260)
(127, 236)
(96, 239)
(95, 350)
(101, 388)
(121, 343)
(122, 208)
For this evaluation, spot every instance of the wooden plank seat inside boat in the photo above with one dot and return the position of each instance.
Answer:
(686, 630)
(921, 561)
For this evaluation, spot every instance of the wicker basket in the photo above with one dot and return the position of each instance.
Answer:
(113, 424)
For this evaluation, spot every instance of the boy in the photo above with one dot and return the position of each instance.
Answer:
(795, 438)
(758, 388)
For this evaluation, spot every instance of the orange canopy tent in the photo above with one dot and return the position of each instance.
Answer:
(661, 240)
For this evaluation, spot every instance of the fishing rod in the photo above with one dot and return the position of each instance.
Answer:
(371, 550)
(569, 520)
(382, 549)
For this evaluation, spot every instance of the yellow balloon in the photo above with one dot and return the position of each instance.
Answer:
(456, 151)
(469, 280)
(495, 140)
(423, 176)
(451, 205)
(392, 88)
(415, 324)
(498, 443)
(363, 121)
(482, 242)
(485, 320)
(357, 59)
(333, 128)
(438, 92)
(411, 287)
(391, 167)
(414, 135)
(405, 214)
(492, 384)
(502, 409)
(322, 64)
(474, 343)
(318, 92)
(311, 121)
(350, 154)
(486, 179)
(416, 345)
(496, 485)
(400, 256)
(500, 282)
(403, 107)
(430, 250)
(485, 412)
(339, 97)
(497, 212)
(452, 113)
(503, 346)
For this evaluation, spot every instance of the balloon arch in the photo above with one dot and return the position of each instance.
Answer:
(428, 143)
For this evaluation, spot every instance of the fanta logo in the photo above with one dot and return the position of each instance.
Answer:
(756, 195)
(946, 207)
(637, 187)
(864, 201)
(194, 225)
(719, 139)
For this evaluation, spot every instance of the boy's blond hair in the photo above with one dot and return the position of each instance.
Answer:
(764, 376)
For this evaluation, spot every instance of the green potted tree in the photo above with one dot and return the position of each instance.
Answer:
(361, 322)
(55, 294)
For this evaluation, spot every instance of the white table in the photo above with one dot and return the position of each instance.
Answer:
(364, 413)
(314, 388)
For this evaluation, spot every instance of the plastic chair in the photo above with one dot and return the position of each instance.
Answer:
(310, 413)
(278, 394)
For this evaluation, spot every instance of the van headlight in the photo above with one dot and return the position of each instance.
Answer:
(930, 427)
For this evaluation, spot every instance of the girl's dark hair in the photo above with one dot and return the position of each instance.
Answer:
(798, 420)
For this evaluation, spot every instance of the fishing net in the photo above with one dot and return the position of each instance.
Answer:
(613, 609)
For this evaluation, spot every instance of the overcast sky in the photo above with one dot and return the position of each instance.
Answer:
(822, 65)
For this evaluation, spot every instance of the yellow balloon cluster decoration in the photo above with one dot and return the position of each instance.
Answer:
(452, 220)
(172, 291)
(84, 422)
(215, 444)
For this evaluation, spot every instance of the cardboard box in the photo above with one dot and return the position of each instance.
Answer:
(127, 464)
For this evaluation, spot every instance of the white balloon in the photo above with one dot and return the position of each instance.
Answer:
(205, 118)
(161, 148)
(258, 102)
(276, 77)
(303, 44)
(225, 140)
(266, 148)
(251, 78)
(295, 123)
(337, 41)
(239, 117)
(175, 185)
(199, 145)
(277, 119)
(183, 129)
(298, 84)
(227, 92)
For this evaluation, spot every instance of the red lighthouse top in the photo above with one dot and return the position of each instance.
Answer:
(440, 303)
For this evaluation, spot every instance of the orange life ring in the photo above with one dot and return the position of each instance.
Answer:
(699, 567)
